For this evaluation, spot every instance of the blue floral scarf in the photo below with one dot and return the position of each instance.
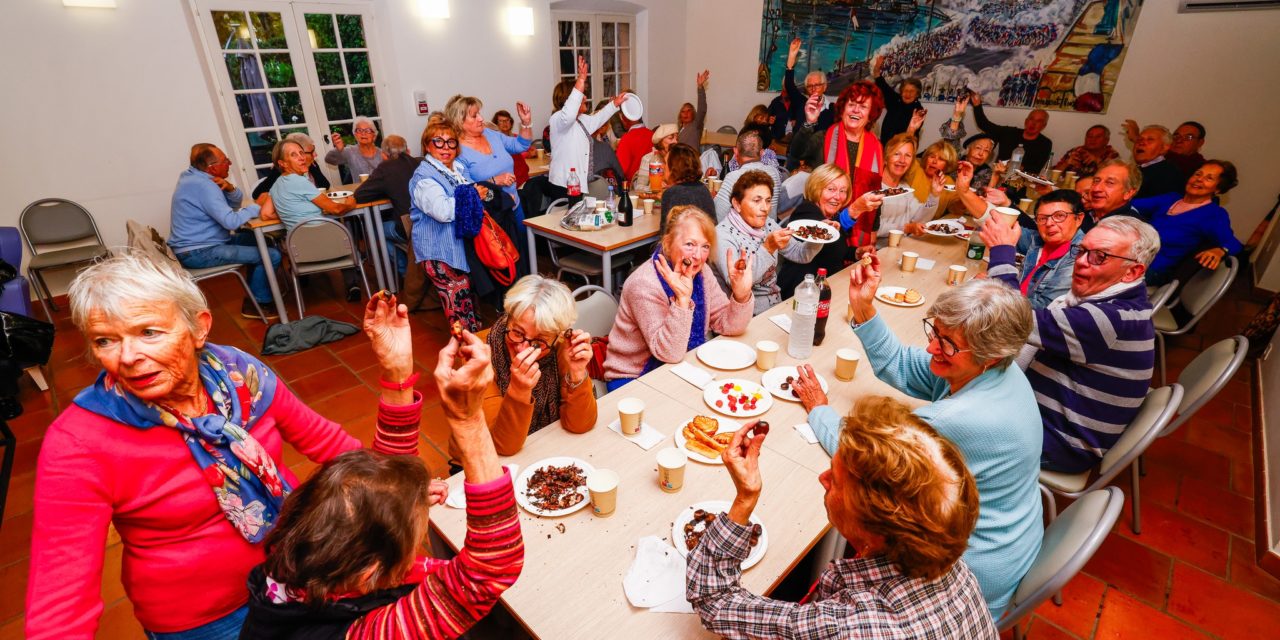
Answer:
(697, 332)
(244, 478)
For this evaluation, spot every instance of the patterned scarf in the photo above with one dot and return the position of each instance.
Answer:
(244, 478)
(546, 394)
(698, 331)
(739, 224)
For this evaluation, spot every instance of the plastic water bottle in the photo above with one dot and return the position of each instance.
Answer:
(1015, 162)
(611, 202)
(803, 318)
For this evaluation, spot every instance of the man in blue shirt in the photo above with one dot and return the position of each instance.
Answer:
(205, 215)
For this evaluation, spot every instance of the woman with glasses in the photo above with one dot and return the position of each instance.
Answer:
(539, 367)
(446, 207)
(977, 401)
(362, 158)
(1050, 249)
(1195, 231)
(671, 305)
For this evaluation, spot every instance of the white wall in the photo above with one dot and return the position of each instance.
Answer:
(1217, 68)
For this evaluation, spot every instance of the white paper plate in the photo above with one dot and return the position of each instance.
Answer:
(908, 191)
(729, 355)
(338, 195)
(1035, 179)
(885, 295)
(522, 485)
(726, 426)
(800, 224)
(953, 226)
(772, 381)
(632, 108)
(717, 507)
(964, 235)
(712, 393)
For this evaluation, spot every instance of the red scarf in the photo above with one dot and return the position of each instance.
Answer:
(865, 172)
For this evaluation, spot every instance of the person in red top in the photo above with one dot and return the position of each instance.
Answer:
(633, 145)
(342, 562)
(179, 445)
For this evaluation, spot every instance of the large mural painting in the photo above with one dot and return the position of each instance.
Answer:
(1060, 55)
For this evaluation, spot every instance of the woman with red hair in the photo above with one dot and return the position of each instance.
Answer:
(849, 144)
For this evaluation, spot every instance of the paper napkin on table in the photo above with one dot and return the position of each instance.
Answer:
(925, 263)
(807, 433)
(656, 578)
(458, 497)
(783, 321)
(646, 439)
(695, 376)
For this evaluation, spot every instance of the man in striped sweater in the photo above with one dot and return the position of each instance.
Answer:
(1090, 355)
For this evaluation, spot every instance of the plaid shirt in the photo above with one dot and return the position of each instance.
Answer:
(862, 597)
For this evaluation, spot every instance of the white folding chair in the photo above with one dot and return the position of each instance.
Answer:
(1203, 290)
(595, 316)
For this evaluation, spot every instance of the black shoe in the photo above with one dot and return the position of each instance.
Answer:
(268, 309)
(10, 408)
(354, 294)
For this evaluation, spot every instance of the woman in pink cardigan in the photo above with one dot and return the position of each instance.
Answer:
(670, 305)
(178, 444)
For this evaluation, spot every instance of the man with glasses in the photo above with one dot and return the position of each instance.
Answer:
(205, 216)
(1050, 249)
(314, 173)
(1091, 351)
(1185, 152)
(815, 83)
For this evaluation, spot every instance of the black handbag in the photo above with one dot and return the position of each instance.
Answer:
(25, 339)
(7, 272)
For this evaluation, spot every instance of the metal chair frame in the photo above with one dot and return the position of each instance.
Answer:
(209, 273)
(351, 250)
(37, 278)
(1232, 265)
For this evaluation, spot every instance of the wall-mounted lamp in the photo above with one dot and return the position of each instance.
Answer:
(520, 21)
(433, 9)
(90, 4)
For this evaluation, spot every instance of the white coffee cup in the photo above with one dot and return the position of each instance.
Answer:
(1010, 215)
(909, 259)
(602, 484)
(846, 363)
(766, 354)
(895, 237)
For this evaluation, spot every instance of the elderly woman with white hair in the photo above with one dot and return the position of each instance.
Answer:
(539, 365)
(179, 444)
(314, 174)
(977, 400)
(365, 156)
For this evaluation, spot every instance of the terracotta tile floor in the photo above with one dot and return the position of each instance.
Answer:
(1190, 574)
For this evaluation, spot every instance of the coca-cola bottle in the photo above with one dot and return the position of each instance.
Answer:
(574, 186)
(824, 308)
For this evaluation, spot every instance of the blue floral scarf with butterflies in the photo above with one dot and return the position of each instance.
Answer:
(244, 478)
(697, 332)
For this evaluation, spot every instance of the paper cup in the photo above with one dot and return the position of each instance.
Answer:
(363, 177)
(635, 203)
(671, 463)
(1025, 205)
(648, 206)
(909, 261)
(589, 202)
(1055, 175)
(542, 153)
(957, 274)
(630, 413)
(766, 355)
(846, 364)
(1009, 215)
(603, 486)
(895, 237)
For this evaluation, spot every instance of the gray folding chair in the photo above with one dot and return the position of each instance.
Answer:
(580, 263)
(728, 128)
(319, 245)
(1068, 544)
(1155, 413)
(55, 221)
(1160, 296)
(595, 316)
(1203, 290)
(209, 273)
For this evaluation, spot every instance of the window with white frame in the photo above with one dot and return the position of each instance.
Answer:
(607, 41)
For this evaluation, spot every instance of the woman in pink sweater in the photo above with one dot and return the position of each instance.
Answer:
(670, 305)
(179, 445)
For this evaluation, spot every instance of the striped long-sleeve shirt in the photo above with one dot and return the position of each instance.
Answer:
(1091, 368)
(458, 592)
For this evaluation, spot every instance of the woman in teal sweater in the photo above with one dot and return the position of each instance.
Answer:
(979, 402)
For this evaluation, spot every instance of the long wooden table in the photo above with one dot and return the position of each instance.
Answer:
(604, 243)
(368, 211)
(571, 586)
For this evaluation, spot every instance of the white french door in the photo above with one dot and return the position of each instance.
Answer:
(283, 67)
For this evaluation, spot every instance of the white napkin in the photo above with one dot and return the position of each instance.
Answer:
(656, 578)
(783, 321)
(807, 433)
(925, 263)
(695, 376)
(646, 439)
(457, 497)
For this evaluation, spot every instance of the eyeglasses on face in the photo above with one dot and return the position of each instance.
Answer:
(1098, 257)
(516, 336)
(1058, 217)
(945, 344)
(444, 143)
(365, 130)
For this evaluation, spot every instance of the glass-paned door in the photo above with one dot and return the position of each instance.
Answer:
(606, 41)
(285, 67)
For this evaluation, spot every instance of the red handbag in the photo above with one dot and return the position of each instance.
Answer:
(496, 251)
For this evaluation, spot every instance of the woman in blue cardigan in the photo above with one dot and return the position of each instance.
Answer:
(443, 200)
(979, 402)
(1192, 225)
